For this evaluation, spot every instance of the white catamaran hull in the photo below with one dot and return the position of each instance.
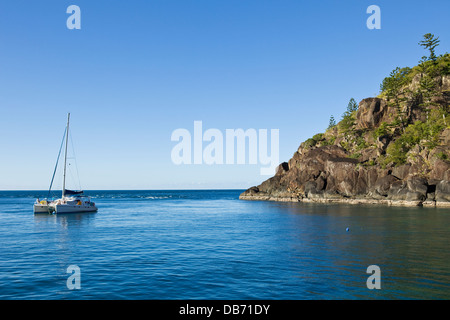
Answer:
(42, 208)
(68, 208)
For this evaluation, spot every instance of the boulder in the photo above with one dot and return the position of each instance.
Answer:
(402, 171)
(443, 191)
(398, 190)
(370, 113)
(383, 185)
(282, 168)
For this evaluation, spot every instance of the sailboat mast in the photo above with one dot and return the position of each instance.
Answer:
(65, 157)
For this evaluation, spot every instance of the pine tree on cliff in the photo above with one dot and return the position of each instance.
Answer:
(430, 43)
(427, 82)
(348, 118)
(352, 106)
(332, 122)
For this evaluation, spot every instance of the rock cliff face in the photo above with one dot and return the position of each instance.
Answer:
(391, 150)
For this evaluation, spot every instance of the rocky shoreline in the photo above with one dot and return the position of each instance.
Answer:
(326, 175)
(395, 154)
(361, 201)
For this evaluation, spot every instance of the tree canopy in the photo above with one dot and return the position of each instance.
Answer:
(430, 42)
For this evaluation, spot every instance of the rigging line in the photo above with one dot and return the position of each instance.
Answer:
(57, 160)
(75, 159)
(69, 169)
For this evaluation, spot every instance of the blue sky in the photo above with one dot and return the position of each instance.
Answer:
(138, 70)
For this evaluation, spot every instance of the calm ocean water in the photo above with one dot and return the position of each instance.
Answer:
(210, 245)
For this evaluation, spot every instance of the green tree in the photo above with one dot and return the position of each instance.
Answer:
(396, 91)
(348, 117)
(393, 84)
(427, 89)
(430, 42)
(352, 106)
(332, 122)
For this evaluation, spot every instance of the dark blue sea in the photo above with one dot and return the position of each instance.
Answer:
(210, 245)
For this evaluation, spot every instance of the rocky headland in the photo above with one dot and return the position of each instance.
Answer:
(391, 149)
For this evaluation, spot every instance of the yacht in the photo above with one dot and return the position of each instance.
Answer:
(71, 201)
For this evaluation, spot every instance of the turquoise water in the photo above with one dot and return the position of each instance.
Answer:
(210, 245)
